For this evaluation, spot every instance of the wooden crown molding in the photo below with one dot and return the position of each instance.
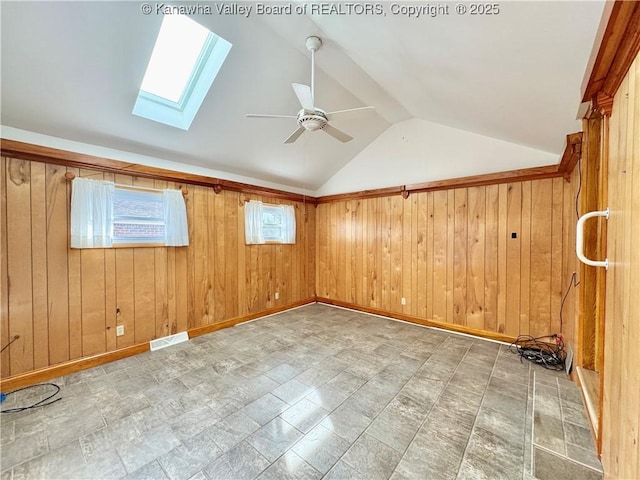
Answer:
(619, 47)
(39, 153)
(26, 151)
(602, 103)
(379, 192)
(521, 175)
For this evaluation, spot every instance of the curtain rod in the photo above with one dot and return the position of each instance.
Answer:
(71, 176)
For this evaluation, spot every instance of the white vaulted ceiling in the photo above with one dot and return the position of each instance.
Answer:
(72, 70)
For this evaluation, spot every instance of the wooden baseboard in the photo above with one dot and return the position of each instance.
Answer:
(66, 368)
(73, 366)
(197, 331)
(420, 321)
(589, 383)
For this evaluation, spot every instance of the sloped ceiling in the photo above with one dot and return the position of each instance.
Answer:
(72, 69)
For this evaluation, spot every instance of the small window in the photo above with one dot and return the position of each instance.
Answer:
(138, 217)
(105, 215)
(266, 223)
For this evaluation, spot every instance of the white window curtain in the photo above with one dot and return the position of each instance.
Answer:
(175, 219)
(91, 213)
(253, 222)
(288, 224)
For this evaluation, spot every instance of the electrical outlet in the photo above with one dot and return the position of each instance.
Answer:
(277, 296)
(119, 330)
(403, 301)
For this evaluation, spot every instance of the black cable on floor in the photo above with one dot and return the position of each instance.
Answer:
(541, 353)
(42, 403)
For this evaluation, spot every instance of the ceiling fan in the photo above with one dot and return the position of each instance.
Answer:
(312, 118)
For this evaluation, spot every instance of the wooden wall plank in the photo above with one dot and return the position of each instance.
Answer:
(19, 264)
(450, 249)
(359, 257)
(395, 247)
(525, 258)
(514, 248)
(430, 255)
(93, 302)
(125, 310)
(201, 285)
(341, 245)
(557, 199)
(460, 247)
(540, 263)
(233, 242)
(241, 279)
(219, 258)
(440, 285)
(385, 267)
(634, 281)
(190, 259)
(475, 248)
(491, 231)
(422, 286)
(39, 265)
(410, 256)
(372, 252)
(323, 250)
(332, 272)
(5, 356)
(503, 239)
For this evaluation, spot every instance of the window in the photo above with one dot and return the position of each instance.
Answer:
(184, 63)
(138, 217)
(104, 215)
(269, 223)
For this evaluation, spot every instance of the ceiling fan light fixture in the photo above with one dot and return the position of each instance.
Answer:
(312, 122)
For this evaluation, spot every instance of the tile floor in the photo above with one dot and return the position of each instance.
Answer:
(315, 392)
(562, 441)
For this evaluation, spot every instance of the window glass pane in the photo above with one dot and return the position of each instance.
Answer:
(272, 223)
(174, 57)
(138, 217)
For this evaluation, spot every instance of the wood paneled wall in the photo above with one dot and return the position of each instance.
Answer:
(63, 302)
(621, 403)
(452, 255)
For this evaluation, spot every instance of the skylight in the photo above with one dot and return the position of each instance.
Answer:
(184, 63)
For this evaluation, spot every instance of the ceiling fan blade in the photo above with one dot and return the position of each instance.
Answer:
(303, 92)
(260, 115)
(338, 134)
(294, 136)
(350, 110)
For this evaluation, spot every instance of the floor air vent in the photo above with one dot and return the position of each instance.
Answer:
(159, 343)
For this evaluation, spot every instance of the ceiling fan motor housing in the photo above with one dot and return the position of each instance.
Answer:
(312, 121)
